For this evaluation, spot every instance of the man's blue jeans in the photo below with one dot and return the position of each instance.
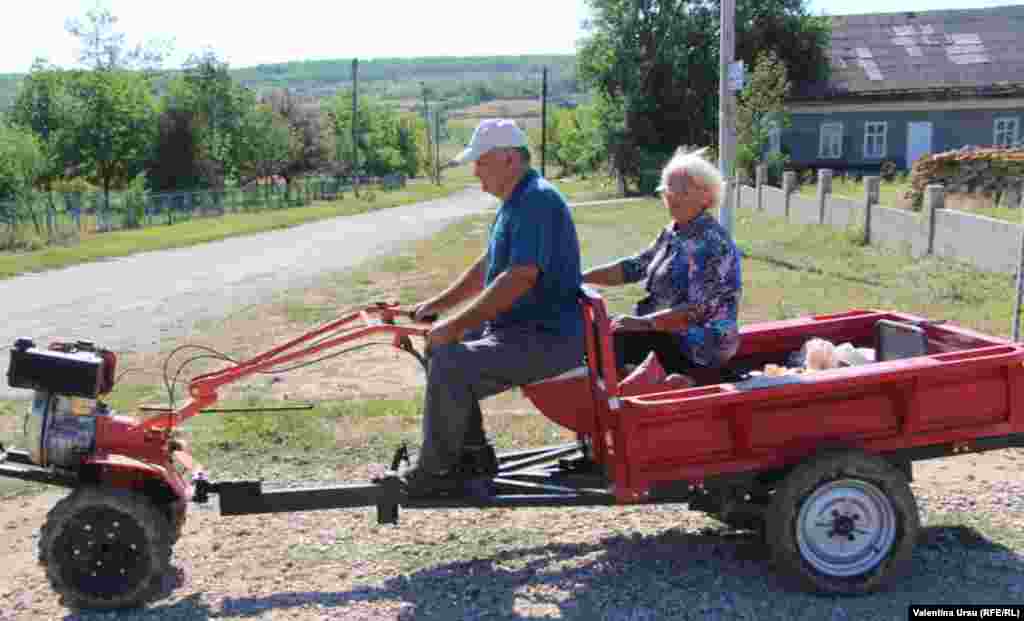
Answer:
(460, 374)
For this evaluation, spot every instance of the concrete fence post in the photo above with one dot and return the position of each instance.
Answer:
(872, 188)
(730, 193)
(738, 188)
(762, 179)
(1014, 190)
(824, 189)
(935, 199)
(788, 187)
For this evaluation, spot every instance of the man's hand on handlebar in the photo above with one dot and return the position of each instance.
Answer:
(426, 312)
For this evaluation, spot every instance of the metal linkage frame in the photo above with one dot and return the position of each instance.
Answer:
(555, 476)
(16, 464)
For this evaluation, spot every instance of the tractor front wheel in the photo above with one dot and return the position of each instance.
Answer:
(105, 548)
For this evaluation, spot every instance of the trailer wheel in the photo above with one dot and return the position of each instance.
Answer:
(105, 548)
(843, 523)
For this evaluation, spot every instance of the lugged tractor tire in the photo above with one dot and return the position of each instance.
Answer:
(843, 523)
(105, 548)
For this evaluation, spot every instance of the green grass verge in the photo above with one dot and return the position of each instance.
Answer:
(198, 231)
(594, 188)
(890, 192)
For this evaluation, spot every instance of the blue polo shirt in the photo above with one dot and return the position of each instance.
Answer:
(534, 227)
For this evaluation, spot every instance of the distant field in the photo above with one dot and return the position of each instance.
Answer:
(504, 108)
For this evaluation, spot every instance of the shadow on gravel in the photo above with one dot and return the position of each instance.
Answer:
(674, 575)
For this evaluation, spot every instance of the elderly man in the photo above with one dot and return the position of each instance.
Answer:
(523, 323)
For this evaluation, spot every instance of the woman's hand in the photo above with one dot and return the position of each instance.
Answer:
(631, 323)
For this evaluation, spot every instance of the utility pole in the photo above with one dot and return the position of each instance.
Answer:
(726, 109)
(437, 145)
(355, 124)
(544, 123)
(1020, 289)
(430, 129)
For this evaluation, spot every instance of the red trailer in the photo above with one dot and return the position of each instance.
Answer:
(818, 462)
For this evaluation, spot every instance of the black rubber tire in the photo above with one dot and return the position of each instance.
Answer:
(105, 548)
(845, 479)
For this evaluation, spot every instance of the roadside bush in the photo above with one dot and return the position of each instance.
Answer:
(888, 170)
(135, 202)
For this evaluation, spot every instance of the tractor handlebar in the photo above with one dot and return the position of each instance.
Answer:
(375, 318)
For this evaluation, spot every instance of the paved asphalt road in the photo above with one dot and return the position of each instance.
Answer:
(131, 303)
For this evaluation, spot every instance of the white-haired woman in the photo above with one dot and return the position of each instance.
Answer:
(692, 276)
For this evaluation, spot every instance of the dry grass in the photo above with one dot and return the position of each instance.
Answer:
(503, 108)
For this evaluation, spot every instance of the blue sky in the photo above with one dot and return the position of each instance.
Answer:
(246, 34)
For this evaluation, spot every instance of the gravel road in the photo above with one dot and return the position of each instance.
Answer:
(131, 303)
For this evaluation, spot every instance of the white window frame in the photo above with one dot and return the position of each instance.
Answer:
(884, 135)
(1013, 122)
(825, 151)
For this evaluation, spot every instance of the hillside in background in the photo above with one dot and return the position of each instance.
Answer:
(8, 86)
(399, 78)
(469, 79)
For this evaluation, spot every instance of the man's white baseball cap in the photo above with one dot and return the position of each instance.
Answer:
(491, 134)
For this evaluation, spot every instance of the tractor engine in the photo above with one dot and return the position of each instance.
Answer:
(60, 426)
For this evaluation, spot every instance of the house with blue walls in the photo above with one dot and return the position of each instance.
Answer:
(907, 84)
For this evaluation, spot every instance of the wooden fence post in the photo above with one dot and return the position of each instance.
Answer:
(788, 187)
(762, 179)
(935, 199)
(872, 188)
(824, 189)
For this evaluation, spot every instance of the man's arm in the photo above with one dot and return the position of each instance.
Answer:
(466, 286)
(498, 297)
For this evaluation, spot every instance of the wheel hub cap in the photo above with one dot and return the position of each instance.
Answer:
(846, 527)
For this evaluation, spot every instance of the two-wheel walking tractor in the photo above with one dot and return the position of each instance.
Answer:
(820, 463)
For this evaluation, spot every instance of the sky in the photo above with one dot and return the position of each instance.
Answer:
(245, 34)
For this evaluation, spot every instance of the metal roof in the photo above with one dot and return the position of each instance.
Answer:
(915, 51)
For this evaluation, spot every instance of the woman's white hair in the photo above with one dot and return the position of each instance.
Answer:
(693, 165)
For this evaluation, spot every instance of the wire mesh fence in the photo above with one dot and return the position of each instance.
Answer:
(53, 217)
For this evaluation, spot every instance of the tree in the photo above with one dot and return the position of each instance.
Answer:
(21, 162)
(43, 106)
(657, 61)
(579, 145)
(113, 126)
(266, 143)
(103, 48)
(310, 152)
(387, 142)
(218, 105)
(177, 152)
(760, 108)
